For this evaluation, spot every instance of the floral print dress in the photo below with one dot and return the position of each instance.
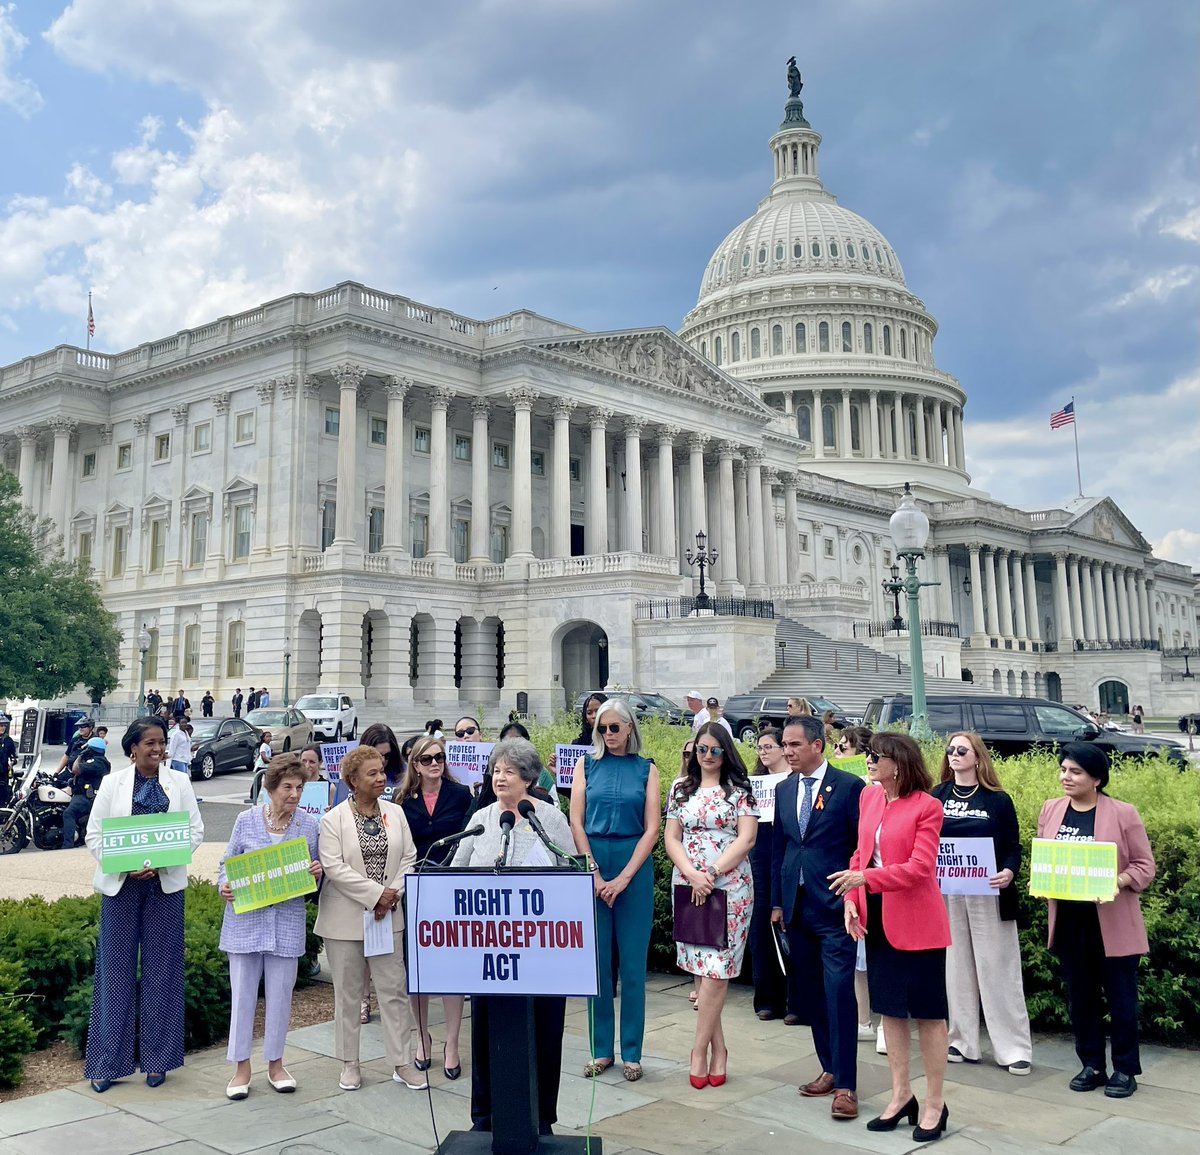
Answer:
(710, 822)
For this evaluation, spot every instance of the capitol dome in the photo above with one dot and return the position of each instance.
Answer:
(806, 302)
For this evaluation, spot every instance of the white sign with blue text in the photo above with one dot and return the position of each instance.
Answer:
(565, 757)
(524, 932)
(467, 761)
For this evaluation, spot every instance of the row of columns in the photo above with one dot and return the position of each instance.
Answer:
(1011, 592)
(939, 426)
(1102, 601)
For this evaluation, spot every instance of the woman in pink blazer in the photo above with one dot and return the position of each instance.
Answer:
(1099, 944)
(891, 889)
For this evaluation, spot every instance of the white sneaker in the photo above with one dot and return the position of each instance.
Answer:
(880, 1045)
(865, 1031)
(410, 1077)
(351, 1077)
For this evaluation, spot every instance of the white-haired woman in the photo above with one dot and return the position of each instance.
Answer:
(616, 812)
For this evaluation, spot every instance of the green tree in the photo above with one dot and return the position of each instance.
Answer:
(55, 633)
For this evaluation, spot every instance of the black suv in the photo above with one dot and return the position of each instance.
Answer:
(749, 713)
(644, 704)
(1015, 725)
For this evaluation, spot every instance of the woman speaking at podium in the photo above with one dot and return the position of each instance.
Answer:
(513, 768)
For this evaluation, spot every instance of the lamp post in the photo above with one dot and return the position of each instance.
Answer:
(1187, 669)
(704, 558)
(143, 644)
(894, 587)
(910, 532)
(287, 672)
(782, 644)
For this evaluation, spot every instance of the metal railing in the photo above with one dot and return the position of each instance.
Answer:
(1117, 644)
(661, 609)
(881, 629)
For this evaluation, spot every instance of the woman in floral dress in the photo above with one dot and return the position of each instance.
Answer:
(711, 826)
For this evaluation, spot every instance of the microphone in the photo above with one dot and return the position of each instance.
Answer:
(451, 839)
(507, 821)
(528, 811)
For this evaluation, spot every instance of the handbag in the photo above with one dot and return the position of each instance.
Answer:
(703, 925)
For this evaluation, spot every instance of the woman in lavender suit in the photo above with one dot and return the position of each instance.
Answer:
(265, 945)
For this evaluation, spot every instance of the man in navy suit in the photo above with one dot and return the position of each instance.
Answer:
(815, 833)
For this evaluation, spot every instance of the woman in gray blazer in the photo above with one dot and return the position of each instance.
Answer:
(366, 849)
(141, 923)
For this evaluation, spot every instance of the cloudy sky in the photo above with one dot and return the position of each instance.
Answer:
(1036, 165)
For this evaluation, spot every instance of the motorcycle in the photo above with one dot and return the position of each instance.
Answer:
(37, 808)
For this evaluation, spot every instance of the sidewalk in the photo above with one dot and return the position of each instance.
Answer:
(757, 1111)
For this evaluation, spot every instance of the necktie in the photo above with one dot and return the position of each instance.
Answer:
(806, 808)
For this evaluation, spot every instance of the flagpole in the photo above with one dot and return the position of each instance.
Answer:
(89, 324)
(1075, 430)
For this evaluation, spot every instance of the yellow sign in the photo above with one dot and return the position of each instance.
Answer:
(1079, 871)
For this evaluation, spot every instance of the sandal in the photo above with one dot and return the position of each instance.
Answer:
(632, 1072)
(596, 1067)
(364, 1011)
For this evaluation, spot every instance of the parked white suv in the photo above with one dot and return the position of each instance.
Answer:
(333, 716)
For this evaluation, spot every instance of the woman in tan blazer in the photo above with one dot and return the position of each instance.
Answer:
(366, 849)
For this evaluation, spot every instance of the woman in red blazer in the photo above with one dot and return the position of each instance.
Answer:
(1099, 944)
(892, 887)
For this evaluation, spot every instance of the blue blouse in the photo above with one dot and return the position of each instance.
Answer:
(615, 805)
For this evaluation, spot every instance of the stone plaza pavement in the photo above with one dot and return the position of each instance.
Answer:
(758, 1110)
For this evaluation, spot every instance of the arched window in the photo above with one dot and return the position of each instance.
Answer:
(776, 340)
(755, 343)
(833, 248)
(816, 248)
(887, 340)
(801, 337)
(903, 343)
(855, 428)
(912, 433)
(735, 346)
(717, 351)
(703, 348)
(798, 250)
(916, 337)
(847, 338)
(762, 254)
(868, 337)
(823, 337)
(804, 423)
(878, 258)
(888, 253)
(721, 268)
(850, 250)
(779, 250)
(828, 427)
(866, 254)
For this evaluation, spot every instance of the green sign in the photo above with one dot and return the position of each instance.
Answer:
(274, 874)
(856, 764)
(1083, 871)
(144, 841)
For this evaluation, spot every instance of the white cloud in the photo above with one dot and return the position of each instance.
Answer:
(15, 90)
(1181, 545)
(1186, 227)
(1158, 286)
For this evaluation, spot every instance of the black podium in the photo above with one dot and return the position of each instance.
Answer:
(509, 936)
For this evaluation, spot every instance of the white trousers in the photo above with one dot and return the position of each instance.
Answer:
(349, 988)
(983, 965)
(278, 976)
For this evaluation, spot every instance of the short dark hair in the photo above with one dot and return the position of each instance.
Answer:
(514, 730)
(1089, 758)
(814, 728)
(912, 775)
(136, 730)
(280, 767)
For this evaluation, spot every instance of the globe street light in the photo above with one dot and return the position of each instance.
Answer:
(910, 532)
(287, 670)
(143, 644)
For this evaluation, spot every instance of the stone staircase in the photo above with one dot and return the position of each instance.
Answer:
(845, 671)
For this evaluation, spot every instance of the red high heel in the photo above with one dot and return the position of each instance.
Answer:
(716, 1080)
(699, 1081)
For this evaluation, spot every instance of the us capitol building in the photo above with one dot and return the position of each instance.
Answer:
(367, 494)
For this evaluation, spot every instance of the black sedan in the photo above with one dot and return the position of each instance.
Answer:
(222, 744)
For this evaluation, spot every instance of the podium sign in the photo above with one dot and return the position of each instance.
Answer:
(516, 932)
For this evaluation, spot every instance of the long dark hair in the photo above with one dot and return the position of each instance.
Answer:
(733, 769)
(586, 733)
(766, 732)
(393, 763)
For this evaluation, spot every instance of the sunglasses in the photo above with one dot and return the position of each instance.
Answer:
(687, 751)
(466, 732)
(842, 746)
(609, 728)
(431, 759)
(871, 756)
(961, 751)
(710, 751)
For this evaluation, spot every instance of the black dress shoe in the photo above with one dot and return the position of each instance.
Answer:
(1120, 1086)
(101, 1085)
(791, 1020)
(921, 1135)
(765, 1015)
(155, 1080)
(910, 1111)
(1088, 1079)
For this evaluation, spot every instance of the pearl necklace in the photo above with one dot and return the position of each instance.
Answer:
(272, 822)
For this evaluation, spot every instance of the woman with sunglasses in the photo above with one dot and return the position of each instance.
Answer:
(891, 891)
(436, 807)
(852, 741)
(984, 959)
(712, 824)
(770, 983)
(615, 816)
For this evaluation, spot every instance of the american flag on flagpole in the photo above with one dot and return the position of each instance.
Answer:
(91, 318)
(1065, 416)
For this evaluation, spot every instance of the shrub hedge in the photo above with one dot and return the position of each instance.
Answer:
(1169, 803)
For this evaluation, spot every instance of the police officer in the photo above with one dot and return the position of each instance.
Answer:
(85, 729)
(86, 773)
(8, 761)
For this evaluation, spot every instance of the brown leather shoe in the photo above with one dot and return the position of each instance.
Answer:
(845, 1104)
(821, 1085)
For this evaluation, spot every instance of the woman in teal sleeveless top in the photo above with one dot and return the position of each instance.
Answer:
(615, 817)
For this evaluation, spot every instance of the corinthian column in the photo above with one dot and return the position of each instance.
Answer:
(394, 502)
(522, 399)
(1062, 601)
(481, 460)
(754, 510)
(348, 378)
(633, 484)
(1006, 619)
(769, 481)
(791, 517)
(560, 500)
(726, 452)
(696, 504)
(439, 483)
(667, 545)
(978, 624)
(1015, 577)
(597, 508)
(60, 479)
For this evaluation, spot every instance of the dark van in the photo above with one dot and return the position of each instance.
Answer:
(1015, 725)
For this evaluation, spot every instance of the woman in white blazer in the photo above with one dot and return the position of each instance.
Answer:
(366, 849)
(141, 922)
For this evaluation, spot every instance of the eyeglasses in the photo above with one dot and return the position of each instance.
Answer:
(466, 731)
(767, 748)
(609, 728)
(710, 751)
(961, 751)
(687, 751)
(871, 756)
(842, 746)
(431, 759)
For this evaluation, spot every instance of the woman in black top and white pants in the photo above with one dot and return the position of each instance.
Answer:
(984, 961)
